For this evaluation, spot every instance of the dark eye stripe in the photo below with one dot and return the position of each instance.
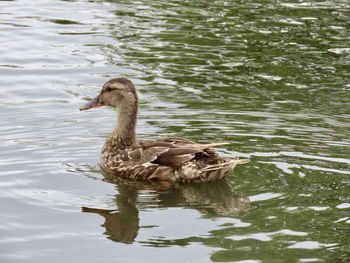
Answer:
(108, 89)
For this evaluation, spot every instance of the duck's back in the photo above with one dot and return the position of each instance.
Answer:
(171, 159)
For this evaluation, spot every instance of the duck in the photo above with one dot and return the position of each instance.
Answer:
(169, 159)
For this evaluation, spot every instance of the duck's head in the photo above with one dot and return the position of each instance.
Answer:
(119, 92)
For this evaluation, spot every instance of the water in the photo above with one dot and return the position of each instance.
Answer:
(270, 77)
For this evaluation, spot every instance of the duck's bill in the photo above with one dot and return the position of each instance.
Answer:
(92, 104)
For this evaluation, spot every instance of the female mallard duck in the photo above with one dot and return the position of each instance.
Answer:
(171, 159)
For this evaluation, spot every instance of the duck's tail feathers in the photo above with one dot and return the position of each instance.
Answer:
(232, 164)
(242, 161)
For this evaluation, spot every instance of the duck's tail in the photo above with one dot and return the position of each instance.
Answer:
(230, 164)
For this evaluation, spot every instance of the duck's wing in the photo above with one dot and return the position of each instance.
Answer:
(173, 151)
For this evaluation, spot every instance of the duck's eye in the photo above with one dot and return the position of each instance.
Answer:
(108, 89)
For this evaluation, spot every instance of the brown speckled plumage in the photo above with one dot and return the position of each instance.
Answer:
(171, 159)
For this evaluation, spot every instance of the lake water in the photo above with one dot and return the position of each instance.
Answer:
(270, 77)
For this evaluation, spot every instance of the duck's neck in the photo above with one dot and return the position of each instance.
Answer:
(124, 135)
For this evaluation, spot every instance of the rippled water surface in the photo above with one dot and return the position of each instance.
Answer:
(270, 77)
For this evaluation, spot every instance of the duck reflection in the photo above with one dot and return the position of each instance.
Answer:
(122, 225)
